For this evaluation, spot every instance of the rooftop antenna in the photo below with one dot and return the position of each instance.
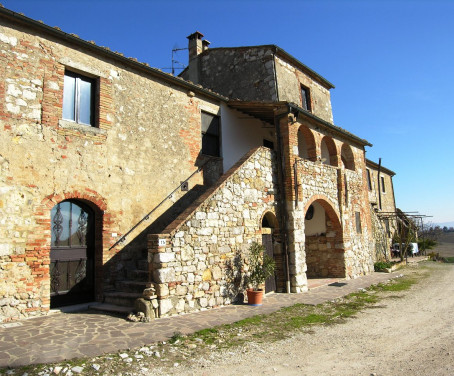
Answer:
(174, 61)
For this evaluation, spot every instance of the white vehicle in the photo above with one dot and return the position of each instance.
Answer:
(412, 246)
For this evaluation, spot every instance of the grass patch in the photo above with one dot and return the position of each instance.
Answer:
(401, 284)
(449, 260)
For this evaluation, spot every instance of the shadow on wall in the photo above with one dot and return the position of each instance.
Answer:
(235, 277)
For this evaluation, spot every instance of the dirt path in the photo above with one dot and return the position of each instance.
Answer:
(410, 334)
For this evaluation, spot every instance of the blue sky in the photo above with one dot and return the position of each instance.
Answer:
(391, 62)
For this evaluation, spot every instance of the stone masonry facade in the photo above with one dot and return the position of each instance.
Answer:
(169, 229)
(46, 160)
(202, 263)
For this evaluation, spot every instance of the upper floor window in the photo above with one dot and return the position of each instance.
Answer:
(305, 98)
(369, 181)
(79, 98)
(358, 222)
(211, 135)
(383, 184)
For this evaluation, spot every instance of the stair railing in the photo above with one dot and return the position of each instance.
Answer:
(147, 216)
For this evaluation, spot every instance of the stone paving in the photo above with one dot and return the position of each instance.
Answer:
(87, 334)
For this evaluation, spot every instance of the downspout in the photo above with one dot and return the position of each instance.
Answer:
(276, 88)
(283, 213)
(379, 184)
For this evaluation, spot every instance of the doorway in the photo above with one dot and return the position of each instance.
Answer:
(71, 254)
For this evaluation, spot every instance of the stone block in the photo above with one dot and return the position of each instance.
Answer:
(164, 257)
(165, 305)
(145, 306)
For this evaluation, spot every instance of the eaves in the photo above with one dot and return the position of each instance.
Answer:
(20, 19)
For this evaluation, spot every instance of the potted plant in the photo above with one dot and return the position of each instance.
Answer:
(261, 266)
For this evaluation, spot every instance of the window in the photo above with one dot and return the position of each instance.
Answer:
(305, 98)
(382, 179)
(358, 222)
(268, 144)
(369, 181)
(78, 98)
(210, 135)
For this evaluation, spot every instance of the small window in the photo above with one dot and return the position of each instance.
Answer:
(382, 179)
(78, 98)
(210, 135)
(268, 144)
(358, 222)
(309, 213)
(369, 181)
(305, 98)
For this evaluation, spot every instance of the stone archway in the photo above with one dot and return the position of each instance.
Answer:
(306, 144)
(323, 241)
(271, 240)
(328, 152)
(347, 158)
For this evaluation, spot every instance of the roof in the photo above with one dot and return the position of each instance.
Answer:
(374, 165)
(282, 53)
(105, 52)
(266, 111)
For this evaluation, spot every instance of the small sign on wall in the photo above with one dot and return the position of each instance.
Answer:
(162, 242)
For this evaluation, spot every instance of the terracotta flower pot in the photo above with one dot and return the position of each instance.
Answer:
(254, 297)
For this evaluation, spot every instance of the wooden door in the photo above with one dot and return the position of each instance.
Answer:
(71, 254)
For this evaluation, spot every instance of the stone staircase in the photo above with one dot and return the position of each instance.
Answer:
(130, 285)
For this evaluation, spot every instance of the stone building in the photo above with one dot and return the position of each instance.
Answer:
(123, 185)
(383, 205)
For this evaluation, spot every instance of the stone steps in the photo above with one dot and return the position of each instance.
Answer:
(119, 298)
(132, 286)
(138, 275)
(112, 308)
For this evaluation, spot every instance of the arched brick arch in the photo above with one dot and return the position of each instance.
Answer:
(332, 150)
(347, 157)
(306, 143)
(37, 251)
(328, 205)
(325, 252)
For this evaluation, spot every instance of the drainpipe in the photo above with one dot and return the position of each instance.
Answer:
(283, 213)
(276, 88)
(379, 183)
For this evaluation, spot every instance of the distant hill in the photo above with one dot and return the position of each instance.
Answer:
(447, 224)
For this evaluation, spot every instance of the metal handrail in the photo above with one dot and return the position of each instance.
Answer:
(147, 216)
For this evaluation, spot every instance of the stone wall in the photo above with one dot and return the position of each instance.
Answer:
(244, 72)
(146, 140)
(290, 79)
(201, 264)
(387, 194)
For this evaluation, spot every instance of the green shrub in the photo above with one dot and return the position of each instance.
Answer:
(381, 265)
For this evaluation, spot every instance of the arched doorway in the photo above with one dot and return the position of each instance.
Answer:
(323, 242)
(72, 253)
(272, 243)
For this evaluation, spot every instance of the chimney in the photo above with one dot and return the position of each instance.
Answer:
(195, 46)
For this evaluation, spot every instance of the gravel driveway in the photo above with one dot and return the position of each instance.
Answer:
(409, 333)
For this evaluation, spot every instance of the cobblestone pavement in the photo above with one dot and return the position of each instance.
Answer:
(87, 334)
